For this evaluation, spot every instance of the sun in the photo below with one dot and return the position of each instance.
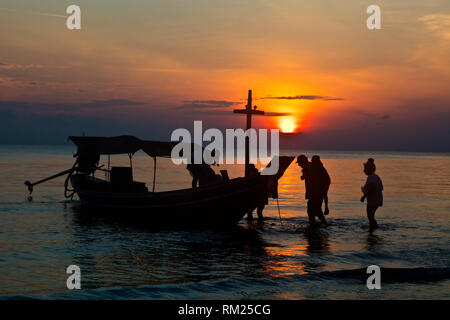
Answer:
(287, 125)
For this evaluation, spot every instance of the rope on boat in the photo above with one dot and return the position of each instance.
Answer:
(279, 212)
(66, 184)
(66, 188)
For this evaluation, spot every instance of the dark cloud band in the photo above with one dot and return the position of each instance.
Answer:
(302, 97)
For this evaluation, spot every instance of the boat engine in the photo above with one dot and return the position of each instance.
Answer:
(87, 160)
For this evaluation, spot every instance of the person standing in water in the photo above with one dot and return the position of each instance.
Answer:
(262, 194)
(372, 191)
(325, 180)
(314, 188)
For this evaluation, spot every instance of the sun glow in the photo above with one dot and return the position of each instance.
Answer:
(287, 125)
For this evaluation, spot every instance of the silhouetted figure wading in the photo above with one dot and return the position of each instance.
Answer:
(263, 195)
(316, 184)
(325, 180)
(373, 192)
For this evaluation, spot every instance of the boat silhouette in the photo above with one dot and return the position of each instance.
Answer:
(220, 203)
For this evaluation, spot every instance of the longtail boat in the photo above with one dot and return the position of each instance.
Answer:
(224, 202)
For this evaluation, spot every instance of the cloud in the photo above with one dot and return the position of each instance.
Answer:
(416, 125)
(36, 107)
(45, 14)
(277, 114)
(373, 115)
(412, 126)
(32, 128)
(303, 97)
(218, 102)
(437, 23)
(231, 113)
(7, 66)
(218, 107)
(205, 104)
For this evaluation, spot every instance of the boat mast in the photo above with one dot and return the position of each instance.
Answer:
(248, 111)
(154, 172)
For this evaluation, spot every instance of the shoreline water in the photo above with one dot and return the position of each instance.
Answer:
(273, 260)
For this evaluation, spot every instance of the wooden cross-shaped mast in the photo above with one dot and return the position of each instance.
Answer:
(249, 111)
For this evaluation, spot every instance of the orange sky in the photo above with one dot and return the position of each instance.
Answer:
(163, 55)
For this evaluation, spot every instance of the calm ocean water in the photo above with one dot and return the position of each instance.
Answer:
(274, 259)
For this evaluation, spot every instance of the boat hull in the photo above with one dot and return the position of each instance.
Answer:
(221, 204)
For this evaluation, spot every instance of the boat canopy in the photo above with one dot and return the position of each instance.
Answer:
(123, 145)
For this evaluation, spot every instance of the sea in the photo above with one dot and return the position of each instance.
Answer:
(278, 258)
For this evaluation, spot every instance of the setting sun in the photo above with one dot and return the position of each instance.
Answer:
(287, 125)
